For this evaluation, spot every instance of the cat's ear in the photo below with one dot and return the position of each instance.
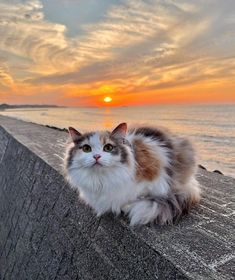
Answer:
(120, 130)
(74, 134)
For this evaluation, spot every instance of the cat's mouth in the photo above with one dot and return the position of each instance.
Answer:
(97, 164)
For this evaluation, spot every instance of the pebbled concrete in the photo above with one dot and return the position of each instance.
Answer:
(47, 233)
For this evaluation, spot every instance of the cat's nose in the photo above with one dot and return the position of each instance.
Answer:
(97, 156)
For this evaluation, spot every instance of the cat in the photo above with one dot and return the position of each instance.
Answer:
(146, 172)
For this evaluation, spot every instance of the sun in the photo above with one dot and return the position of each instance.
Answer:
(107, 99)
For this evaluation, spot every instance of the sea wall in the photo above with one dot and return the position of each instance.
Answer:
(47, 233)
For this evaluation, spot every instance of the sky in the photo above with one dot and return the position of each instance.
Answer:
(77, 52)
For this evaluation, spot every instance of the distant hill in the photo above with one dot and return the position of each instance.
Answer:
(7, 106)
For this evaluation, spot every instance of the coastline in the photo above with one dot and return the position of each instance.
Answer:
(5, 106)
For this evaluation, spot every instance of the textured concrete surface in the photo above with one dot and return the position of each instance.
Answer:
(47, 233)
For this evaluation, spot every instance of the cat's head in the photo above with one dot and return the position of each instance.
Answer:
(98, 151)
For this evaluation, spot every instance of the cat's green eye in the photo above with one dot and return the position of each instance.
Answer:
(108, 148)
(86, 148)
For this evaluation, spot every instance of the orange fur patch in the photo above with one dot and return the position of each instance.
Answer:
(148, 166)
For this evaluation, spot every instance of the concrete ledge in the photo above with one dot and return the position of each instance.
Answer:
(46, 233)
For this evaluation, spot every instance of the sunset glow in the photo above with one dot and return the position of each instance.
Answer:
(107, 99)
(138, 52)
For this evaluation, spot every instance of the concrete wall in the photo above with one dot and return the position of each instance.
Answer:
(46, 233)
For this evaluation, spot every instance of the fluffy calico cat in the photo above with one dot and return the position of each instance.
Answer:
(146, 172)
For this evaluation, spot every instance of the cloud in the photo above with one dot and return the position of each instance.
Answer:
(148, 34)
(137, 46)
(6, 80)
(25, 33)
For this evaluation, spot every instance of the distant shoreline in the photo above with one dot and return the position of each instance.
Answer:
(7, 106)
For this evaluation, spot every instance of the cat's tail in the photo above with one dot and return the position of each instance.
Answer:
(160, 210)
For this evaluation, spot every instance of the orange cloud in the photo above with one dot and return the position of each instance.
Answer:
(138, 52)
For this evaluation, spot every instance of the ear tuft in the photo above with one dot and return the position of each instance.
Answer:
(74, 134)
(120, 130)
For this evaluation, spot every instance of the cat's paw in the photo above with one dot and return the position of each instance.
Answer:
(126, 208)
(142, 212)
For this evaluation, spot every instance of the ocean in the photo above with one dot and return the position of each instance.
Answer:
(210, 127)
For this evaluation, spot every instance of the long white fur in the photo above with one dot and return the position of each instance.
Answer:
(113, 186)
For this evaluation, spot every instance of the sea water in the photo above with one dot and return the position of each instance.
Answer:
(210, 127)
